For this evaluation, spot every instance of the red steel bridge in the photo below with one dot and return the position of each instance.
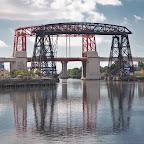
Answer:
(44, 52)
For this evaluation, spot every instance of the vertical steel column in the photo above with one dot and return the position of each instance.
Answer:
(43, 49)
(88, 44)
(120, 57)
(127, 56)
(113, 58)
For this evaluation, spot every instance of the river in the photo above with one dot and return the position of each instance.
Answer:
(74, 111)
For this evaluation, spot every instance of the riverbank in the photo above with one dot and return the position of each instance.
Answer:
(21, 83)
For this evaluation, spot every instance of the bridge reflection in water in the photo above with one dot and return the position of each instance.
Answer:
(73, 108)
(66, 115)
(121, 96)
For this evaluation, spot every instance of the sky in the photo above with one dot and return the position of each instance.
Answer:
(23, 13)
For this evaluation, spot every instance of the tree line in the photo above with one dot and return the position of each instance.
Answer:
(24, 73)
(76, 72)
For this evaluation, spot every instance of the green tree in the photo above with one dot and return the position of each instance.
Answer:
(103, 69)
(25, 73)
(141, 64)
(37, 72)
(74, 73)
(12, 72)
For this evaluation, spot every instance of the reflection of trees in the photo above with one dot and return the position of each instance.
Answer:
(121, 96)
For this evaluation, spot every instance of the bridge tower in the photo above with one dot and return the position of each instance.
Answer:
(120, 60)
(43, 49)
(19, 49)
(91, 67)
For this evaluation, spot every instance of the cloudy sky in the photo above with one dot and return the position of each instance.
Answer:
(22, 13)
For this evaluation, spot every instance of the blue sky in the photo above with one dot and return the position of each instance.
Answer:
(22, 13)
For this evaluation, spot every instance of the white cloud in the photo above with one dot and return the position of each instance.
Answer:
(101, 40)
(77, 41)
(125, 21)
(137, 18)
(2, 44)
(109, 2)
(95, 16)
(37, 3)
(74, 41)
(31, 39)
(72, 10)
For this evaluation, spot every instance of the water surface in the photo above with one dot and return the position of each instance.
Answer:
(74, 111)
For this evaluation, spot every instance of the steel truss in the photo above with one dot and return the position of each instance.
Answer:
(20, 38)
(82, 28)
(43, 49)
(120, 57)
(88, 44)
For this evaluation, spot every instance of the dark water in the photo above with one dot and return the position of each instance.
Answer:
(74, 112)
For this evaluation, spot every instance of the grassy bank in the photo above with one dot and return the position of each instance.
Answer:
(139, 74)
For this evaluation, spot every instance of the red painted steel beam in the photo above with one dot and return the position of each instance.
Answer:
(62, 59)
(20, 38)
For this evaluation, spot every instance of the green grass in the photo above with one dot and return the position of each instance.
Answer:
(139, 74)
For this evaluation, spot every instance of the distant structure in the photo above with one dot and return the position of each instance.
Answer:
(43, 58)
(3, 72)
(1, 65)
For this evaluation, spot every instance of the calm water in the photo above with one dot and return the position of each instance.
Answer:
(74, 112)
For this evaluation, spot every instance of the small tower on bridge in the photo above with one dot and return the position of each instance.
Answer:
(120, 60)
(43, 49)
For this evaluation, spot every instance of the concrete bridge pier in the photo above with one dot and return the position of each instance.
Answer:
(64, 70)
(83, 70)
(91, 68)
(20, 62)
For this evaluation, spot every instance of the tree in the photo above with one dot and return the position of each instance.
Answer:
(37, 72)
(141, 64)
(103, 69)
(74, 73)
(12, 72)
(25, 73)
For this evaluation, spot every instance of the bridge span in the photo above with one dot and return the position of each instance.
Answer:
(102, 59)
(92, 60)
(136, 59)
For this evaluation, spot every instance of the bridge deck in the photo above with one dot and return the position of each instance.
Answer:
(69, 59)
(65, 59)
(3, 59)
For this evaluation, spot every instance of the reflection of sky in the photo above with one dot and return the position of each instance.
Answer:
(2, 108)
(6, 113)
(6, 119)
(74, 89)
(73, 122)
(140, 89)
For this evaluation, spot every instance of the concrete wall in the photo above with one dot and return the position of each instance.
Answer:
(91, 70)
(64, 70)
(20, 62)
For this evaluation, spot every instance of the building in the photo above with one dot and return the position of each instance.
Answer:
(3, 74)
(1, 65)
